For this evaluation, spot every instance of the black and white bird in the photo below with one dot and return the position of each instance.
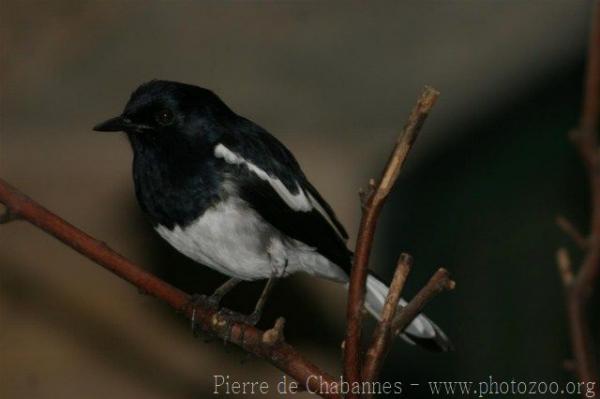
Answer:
(229, 195)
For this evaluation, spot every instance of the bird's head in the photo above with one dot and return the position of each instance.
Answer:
(164, 112)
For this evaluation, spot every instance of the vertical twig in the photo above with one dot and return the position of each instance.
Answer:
(371, 210)
(580, 285)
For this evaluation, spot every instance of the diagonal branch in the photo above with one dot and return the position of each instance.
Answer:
(371, 210)
(392, 324)
(268, 345)
(383, 335)
(438, 283)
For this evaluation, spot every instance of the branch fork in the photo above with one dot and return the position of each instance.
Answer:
(391, 324)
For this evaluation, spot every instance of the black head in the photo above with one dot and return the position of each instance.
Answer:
(164, 112)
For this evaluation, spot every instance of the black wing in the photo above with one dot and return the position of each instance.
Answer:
(271, 181)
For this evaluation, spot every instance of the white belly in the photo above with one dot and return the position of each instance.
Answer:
(234, 240)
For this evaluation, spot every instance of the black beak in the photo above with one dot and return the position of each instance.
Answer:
(117, 124)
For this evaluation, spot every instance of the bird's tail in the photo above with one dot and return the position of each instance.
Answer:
(421, 331)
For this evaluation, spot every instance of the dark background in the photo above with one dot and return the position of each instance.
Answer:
(335, 82)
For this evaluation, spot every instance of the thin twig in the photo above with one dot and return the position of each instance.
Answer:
(371, 211)
(382, 336)
(580, 286)
(438, 283)
(268, 345)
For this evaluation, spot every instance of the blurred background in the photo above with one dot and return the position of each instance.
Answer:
(334, 81)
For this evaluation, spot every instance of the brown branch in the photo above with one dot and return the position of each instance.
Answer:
(579, 286)
(382, 336)
(268, 345)
(371, 211)
(438, 283)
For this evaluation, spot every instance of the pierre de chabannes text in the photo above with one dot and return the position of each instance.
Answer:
(225, 385)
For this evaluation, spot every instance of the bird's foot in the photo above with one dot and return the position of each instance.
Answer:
(236, 317)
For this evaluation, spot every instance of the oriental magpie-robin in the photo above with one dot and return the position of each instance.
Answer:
(229, 195)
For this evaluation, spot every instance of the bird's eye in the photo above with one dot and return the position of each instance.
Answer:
(164, 117)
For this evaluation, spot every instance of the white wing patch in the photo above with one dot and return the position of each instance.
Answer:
(298, 202)
(301, 201)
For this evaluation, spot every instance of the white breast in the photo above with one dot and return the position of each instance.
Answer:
(229, 237)
(234, 240)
